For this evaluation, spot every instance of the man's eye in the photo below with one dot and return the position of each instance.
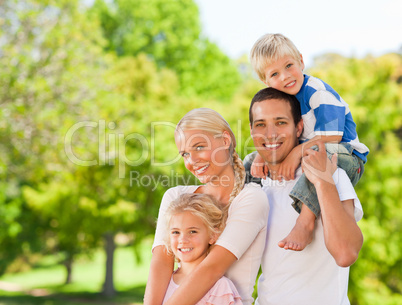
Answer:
(185, 155)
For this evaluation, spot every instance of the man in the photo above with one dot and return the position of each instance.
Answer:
(318, 274)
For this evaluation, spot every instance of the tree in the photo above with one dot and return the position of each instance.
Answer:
(372, 88)
(169, 33)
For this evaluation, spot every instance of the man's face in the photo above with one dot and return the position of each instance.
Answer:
(273, 130)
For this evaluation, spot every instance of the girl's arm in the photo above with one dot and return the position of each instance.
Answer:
(160, 272)
(203, 278)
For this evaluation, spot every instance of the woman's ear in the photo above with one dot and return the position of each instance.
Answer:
(227, 140)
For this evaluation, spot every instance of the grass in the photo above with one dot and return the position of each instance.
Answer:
(47, 281)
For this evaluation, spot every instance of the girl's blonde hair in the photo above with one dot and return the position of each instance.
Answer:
(210, 121)
(203, 206)
(268, 49)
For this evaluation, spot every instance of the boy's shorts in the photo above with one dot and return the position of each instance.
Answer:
(304, 191)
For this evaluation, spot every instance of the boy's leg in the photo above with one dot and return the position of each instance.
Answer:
(305, 202)
(302, 233)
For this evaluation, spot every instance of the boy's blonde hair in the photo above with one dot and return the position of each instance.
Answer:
(268, 49)
(200, 205)
(208, 120)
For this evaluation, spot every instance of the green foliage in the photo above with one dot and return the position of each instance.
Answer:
(169, 33)
(372, 88)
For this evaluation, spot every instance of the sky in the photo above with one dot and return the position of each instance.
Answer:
(347, 27)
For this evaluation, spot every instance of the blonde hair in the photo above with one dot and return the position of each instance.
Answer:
(210, 121)
(269, 48)
(203, 206)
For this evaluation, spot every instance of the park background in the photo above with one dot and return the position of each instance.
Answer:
(90, 92)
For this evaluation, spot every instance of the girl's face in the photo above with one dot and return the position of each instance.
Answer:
(189, 238)
(205, 156)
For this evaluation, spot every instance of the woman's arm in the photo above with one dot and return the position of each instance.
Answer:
(201, 280)
(160, 272)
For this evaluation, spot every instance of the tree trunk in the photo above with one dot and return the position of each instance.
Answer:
(68, 263)
(108, 286)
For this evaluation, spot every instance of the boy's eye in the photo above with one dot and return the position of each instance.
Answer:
(274, 74)
(289, 65)
(281, 123)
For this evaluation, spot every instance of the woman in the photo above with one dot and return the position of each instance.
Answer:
(207, 145)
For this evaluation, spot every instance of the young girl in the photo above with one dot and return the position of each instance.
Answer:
(207, 145)
(194, 224)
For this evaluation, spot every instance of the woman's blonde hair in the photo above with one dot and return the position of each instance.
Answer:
(268, 49)
(210, 121)
(200, 205)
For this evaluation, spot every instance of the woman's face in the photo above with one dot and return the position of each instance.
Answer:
(206, 156)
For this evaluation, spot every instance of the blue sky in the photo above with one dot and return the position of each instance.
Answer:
(348, 27)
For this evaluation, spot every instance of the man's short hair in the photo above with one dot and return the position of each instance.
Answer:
(272, 94)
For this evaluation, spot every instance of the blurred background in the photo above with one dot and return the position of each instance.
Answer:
(90, 93)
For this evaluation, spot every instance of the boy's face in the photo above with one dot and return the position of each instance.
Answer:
(273, 130)
(285, 74)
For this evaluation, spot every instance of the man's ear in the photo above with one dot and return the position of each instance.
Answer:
(299, 128)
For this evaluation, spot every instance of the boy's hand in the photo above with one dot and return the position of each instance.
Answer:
(289, 165)
(317, 166)
(259, 169)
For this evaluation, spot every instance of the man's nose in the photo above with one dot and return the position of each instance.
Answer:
(271, 132)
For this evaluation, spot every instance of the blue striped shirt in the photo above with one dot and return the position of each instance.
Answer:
(325, 113)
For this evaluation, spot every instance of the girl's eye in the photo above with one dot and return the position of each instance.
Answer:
(193, 232)
(175, 232)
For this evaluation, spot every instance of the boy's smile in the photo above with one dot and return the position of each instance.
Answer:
(285, 74)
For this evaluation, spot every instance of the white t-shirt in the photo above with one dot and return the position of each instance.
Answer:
(244, 234)
(303, 277)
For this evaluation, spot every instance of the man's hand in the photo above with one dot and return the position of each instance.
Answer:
(317, 166)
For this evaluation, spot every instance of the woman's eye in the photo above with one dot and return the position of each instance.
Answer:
(185, 155)
(198, 148)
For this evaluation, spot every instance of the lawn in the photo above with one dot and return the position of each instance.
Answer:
(44, 284)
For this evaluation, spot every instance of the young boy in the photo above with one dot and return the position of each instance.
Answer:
(326, 118)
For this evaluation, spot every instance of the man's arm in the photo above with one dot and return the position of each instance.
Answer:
(160, 272)
(202, 279)
(343, 237)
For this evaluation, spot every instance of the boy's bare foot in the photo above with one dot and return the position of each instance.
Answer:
(300, 236)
